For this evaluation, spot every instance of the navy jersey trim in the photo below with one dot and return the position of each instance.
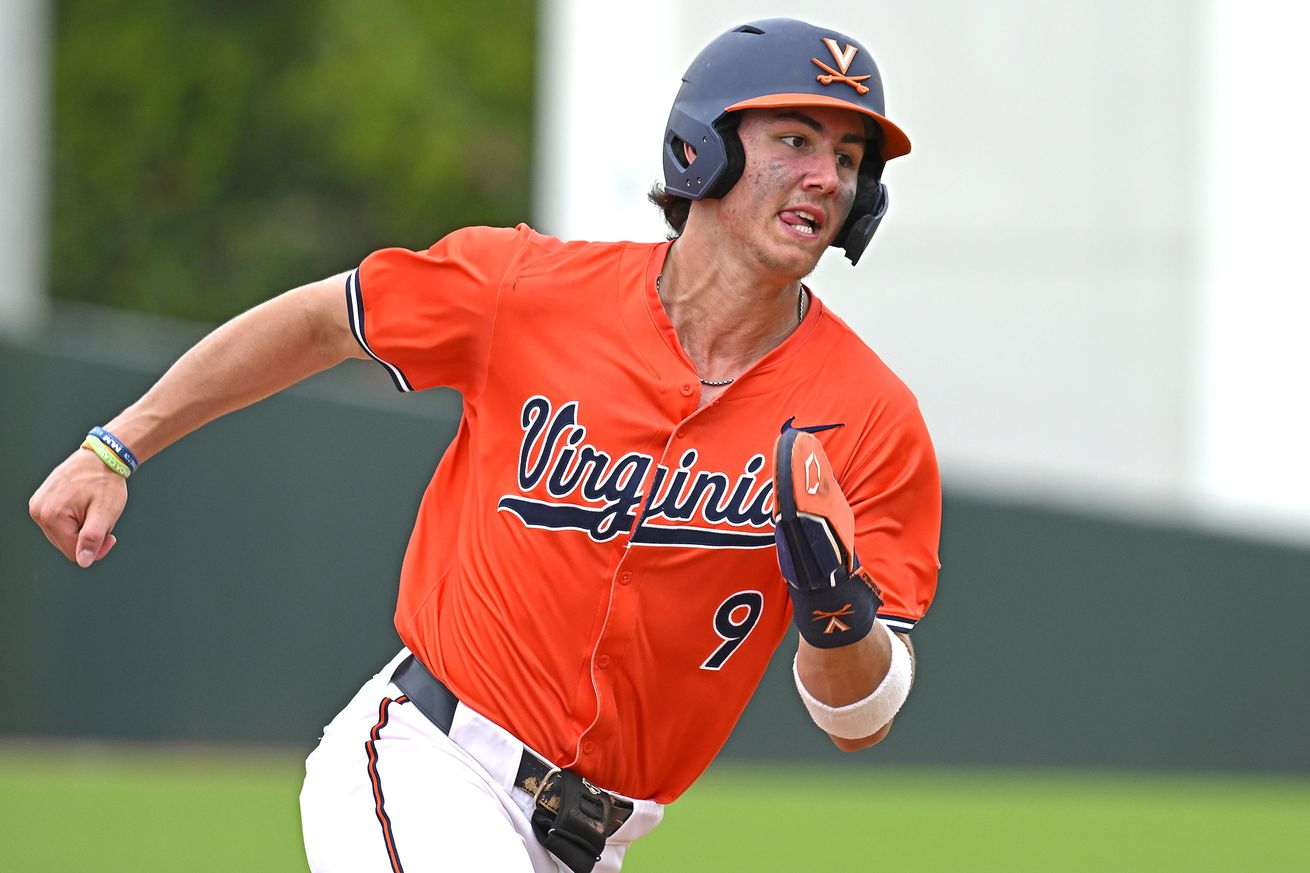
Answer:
(355, 305)
(898, 624)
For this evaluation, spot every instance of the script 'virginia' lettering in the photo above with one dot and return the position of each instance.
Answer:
(567, 483)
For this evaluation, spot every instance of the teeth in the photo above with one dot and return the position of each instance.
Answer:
(809, 223)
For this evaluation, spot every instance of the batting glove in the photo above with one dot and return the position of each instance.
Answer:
(834, 602)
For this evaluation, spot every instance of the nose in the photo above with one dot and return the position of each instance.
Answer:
(821, 175)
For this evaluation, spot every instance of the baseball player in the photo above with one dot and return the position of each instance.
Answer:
(670, 453)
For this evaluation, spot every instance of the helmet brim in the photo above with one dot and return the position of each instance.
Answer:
(894, 141)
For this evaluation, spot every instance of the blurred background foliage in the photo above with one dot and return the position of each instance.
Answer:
(209, 155)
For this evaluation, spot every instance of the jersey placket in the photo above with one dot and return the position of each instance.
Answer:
(609, 652)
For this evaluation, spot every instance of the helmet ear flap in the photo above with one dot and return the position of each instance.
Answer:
(734, 156)
(868, 207)
(859, 229)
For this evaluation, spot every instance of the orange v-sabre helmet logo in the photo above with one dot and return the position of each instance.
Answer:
(843, 59)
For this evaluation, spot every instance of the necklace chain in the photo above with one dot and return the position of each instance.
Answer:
(802, 306)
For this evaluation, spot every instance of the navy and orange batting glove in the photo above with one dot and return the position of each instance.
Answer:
(834, 601)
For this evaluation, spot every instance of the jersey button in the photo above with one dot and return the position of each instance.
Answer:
(626, 578)
(603, 661)
(588, 748)
(682, 432)
(687, 390)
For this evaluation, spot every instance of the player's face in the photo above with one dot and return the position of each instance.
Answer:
(802, 166)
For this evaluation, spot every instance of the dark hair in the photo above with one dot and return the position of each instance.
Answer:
(675, 208)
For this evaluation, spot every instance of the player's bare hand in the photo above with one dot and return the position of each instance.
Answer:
(77, 507)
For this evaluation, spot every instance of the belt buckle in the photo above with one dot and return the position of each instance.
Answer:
(541, 789)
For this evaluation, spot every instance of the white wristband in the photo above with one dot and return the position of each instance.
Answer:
(865, 717)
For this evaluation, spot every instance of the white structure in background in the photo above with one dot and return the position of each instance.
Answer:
(1252, 377)
(1090, 273)
(24, 98)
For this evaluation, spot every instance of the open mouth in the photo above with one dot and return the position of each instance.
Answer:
(803, 221)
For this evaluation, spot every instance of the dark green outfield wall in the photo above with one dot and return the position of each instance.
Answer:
(252, 588)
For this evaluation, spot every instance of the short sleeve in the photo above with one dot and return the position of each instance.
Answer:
(895, 492)
(427, 317)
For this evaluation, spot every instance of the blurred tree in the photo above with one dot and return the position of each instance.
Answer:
(208, 154)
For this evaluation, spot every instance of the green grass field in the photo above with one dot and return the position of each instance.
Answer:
(87, 809)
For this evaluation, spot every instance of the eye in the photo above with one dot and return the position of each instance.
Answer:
(794, 140)
(847, 161)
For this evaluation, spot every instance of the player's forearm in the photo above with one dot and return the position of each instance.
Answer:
(256, 354)
(845, 674)
(853, 675)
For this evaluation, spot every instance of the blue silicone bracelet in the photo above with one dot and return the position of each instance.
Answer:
(116, 446)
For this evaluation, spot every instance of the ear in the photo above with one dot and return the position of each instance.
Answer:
(689, 152)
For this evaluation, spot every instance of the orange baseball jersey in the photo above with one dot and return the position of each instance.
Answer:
(593, 565)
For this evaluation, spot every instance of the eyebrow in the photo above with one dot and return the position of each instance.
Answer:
(813, 123)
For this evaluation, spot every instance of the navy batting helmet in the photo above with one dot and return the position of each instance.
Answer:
(774, 63)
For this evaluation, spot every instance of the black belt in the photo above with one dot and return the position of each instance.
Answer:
(535, 776)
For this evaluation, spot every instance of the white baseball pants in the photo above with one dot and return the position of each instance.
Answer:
(386, 792)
